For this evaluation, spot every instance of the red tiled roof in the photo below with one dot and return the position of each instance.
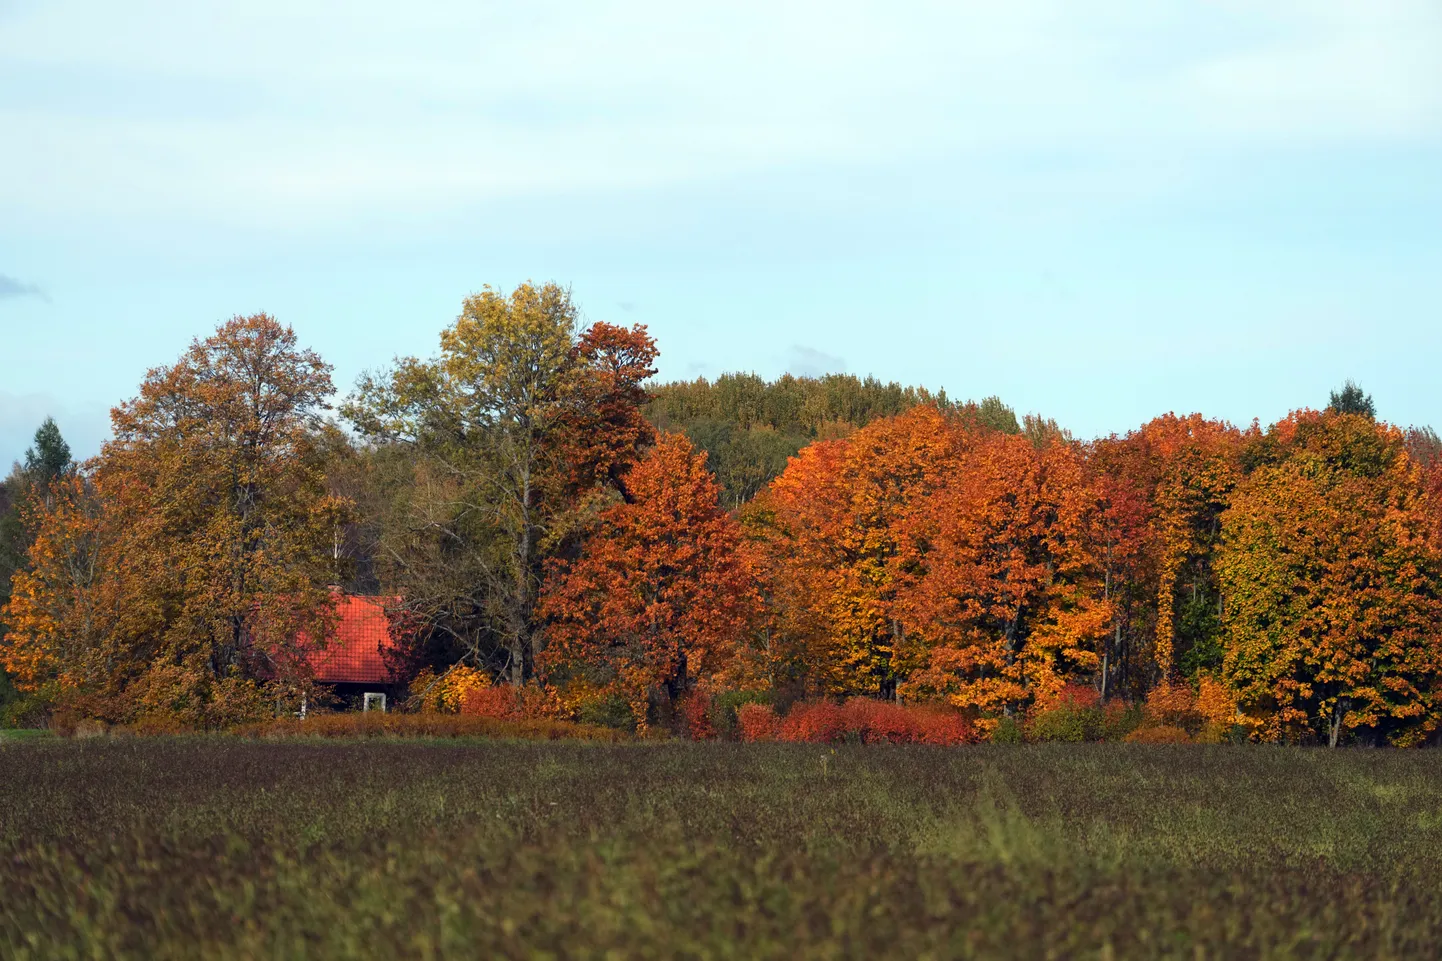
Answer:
(353, 655)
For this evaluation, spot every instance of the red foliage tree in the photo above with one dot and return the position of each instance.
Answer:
(603, 429)
(659, 596)
(1002, 585)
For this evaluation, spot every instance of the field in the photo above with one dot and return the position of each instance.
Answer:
(225, 848)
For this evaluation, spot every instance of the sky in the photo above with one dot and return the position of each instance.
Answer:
(1100, 210)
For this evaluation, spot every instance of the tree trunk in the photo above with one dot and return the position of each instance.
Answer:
(1339, 711)
(521, 640)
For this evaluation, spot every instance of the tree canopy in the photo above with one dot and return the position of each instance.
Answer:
(545, 524)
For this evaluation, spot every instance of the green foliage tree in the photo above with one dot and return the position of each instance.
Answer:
(994, 414)
(749, 427)
(45, 461)
(49, 458)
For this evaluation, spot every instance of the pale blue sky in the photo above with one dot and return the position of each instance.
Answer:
(1098, 210)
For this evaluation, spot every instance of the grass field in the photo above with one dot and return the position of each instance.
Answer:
(221, 848)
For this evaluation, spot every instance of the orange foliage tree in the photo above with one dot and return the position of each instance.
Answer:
(210, 538)
(1333, 585)
(1002, 592)
(58, 619)
(1165, 487)
(827, 533)
(659, 596)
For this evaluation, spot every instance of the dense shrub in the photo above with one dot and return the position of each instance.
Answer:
(862, 720)
(815, 722)
(725, 706)
(1120, 718)
(1159, 734)
(1065, 724)
(26, 711)
(1074, 715)
(693, 718)
(1207, 715)
(1216, 703)
(1006, 731)
(1172, 705)
(376, 724)
(505, 702)
(606, 710)
(448, 691)
(1214, 732)
(757, 722)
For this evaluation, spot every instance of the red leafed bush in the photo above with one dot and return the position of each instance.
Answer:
(885, 721)
(1172, 705)
(819, 722)
(757, 722)
(938, 726)
(862, 719)
(694, 713)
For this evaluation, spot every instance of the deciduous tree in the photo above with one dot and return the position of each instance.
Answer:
(28, 491)
(829, 527)
(46, 462)
(60, 615)
(659, 596)
(1002, 591)
(1165, 487)
(1333, 586)
(494, 454)
(199, 554)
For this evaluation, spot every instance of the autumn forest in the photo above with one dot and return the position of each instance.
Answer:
(556, 535)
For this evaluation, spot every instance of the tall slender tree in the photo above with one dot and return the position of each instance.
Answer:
(1351, 399)
(47, 460)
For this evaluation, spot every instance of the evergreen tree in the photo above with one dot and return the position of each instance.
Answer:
(1351, 399)
(50, 457)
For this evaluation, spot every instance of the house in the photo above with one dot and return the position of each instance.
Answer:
(354, 660)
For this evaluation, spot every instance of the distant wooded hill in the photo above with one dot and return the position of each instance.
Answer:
(749, 426)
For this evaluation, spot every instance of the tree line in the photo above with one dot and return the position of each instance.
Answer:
(538, 513)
